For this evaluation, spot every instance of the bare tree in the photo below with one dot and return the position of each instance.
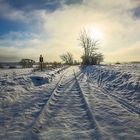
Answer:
(90, 47)
(99, 58)
(67, 58)
(27, 63)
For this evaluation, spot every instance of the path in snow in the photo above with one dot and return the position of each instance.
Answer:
(72, 106)
(66, 115)
(115, 118)
(21, 100)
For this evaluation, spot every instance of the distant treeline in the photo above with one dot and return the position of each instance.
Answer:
(131, 62)
(28, 63)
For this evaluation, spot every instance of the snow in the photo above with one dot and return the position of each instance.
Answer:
(70, 103)
(120, 80)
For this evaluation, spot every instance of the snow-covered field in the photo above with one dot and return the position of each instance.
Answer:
(95, 102)
(122, 81)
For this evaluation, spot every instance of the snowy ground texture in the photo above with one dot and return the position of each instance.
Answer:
(90, 103)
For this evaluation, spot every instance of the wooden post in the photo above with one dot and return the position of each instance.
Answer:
(41, 62)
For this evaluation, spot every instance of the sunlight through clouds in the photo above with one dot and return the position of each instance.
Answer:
(55, 29)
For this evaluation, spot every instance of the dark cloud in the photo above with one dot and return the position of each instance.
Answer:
(137, 12)
(50, 5)
(69, 2)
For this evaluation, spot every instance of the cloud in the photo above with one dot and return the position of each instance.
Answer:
(49, 5)
(125, 54)
(137, 12)
(54, 33)
(7, 12)
(18, 20)
(14, 50)
(32, 4)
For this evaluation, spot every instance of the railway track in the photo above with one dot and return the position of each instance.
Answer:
(65, 115)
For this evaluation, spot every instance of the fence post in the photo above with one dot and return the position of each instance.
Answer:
(41, 62)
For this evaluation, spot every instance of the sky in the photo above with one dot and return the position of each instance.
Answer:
(29, 28)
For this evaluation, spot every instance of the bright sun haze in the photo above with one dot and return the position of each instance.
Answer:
(52, 27)
(96, 33)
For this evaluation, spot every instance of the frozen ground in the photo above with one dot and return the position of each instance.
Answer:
(95, 102)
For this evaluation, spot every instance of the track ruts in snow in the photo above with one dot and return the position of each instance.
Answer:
(32, 126)
(90, 113)
(66, 115)
(123, 102)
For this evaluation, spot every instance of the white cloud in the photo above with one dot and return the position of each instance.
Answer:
(59, 31)
(125, 54)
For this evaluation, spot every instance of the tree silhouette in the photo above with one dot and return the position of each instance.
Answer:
(67, 58)
(90, 46)
(27, 63)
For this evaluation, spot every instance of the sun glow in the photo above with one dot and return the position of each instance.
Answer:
(96, 33)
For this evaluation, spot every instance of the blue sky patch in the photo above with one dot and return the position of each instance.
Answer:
(8, 26)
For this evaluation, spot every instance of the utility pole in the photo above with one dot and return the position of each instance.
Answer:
(41, 62)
